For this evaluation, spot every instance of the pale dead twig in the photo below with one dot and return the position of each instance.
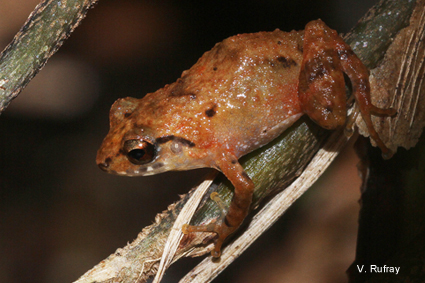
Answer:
(176, 234)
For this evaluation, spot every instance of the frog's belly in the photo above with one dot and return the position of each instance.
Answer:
(250, 135)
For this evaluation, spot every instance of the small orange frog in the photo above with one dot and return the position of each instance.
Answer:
(238, 97)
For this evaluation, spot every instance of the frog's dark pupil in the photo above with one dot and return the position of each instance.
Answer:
(137, 154)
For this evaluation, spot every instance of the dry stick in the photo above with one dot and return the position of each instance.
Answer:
(176, 234)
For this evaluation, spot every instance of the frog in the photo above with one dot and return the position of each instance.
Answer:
(239, 96)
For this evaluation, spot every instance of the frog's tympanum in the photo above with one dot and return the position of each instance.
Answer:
(238, 97)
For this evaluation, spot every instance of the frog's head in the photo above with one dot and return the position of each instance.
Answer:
(137, 150)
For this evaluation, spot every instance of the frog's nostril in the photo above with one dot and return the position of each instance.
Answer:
(104, 165)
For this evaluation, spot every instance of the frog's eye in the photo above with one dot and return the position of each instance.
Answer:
(139, 151)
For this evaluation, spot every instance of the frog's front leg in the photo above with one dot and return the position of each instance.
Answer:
(321, 86)
(226, 224)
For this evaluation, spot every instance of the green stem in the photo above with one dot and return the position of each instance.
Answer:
(48, 26)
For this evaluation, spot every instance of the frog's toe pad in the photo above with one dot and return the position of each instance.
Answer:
(186, 229)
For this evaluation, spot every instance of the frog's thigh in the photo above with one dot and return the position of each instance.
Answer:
(321, 87)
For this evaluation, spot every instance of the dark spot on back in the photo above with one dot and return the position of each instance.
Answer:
(127, 114)
(234, 161)
(215, 69)
(279, 42)
(286, 62)
(211, 111)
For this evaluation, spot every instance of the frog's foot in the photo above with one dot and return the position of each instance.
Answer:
(219, 227)
(388, 112)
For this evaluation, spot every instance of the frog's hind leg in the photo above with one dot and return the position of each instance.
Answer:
(326, 56)
(321, 86)
(359, 76)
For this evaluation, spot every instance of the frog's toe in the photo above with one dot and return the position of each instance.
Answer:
(383, 111)
(387, 154)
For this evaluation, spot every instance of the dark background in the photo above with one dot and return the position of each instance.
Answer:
(60, 214)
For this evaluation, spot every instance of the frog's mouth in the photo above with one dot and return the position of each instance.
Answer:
(146, 170)
(135, 170)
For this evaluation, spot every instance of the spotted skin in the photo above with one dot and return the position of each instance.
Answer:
(238, 97)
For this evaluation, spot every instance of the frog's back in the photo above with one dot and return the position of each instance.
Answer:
(241, 94)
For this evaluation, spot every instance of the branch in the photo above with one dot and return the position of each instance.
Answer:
(48, 26)
(398, 82)
(272, 168)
